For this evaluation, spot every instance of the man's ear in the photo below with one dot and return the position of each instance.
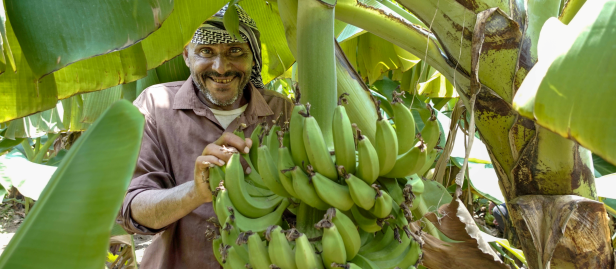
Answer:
(185, 54)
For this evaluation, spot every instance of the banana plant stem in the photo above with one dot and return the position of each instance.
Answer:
(51, 138)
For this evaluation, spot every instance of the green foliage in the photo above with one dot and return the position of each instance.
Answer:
(50, 44)
(570, 90)
(70, 225)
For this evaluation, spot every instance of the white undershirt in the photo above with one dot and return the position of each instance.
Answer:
(225, 117)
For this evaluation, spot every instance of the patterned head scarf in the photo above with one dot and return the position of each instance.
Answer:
(213, 32)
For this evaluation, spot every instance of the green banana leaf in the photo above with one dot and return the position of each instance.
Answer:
(7, 54)
(570, 90)
(276, 55)
(53, 34)
(71, 223)
(437, 87)
(29, 178)
(7, 144)
(602, 166)
(372, 56)
(77, 112)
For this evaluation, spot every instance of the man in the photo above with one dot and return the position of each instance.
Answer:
(187, 125)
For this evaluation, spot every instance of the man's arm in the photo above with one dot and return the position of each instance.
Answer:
(156, 209)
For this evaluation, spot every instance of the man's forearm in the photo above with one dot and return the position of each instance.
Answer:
(156, 209)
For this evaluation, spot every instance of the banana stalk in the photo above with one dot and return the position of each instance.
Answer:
(316, 61)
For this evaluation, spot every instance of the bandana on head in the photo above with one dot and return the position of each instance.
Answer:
(213, 32)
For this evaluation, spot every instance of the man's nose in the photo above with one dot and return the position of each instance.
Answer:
(220, 65)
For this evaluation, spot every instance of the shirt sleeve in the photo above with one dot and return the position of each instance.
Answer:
(151, 173)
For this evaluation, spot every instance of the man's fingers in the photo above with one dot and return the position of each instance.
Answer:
(248, 143)
(205, 162)
(222, 153)
(232, 140)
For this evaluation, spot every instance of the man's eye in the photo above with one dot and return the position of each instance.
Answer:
(205, 51)
(236, 50)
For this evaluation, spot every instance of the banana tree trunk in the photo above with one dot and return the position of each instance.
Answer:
(486, 48)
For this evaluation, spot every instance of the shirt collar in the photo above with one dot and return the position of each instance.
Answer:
(186, 98)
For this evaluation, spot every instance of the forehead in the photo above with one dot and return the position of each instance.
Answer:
(221, 46)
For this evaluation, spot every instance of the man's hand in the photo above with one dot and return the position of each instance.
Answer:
(218, 153)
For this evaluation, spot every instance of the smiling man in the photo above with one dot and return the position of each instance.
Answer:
(187, 125)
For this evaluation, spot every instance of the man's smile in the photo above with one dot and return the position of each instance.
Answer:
(222, 80)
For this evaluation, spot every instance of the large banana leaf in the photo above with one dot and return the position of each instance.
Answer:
(570, 90)
(77, 112)
(276, 55)
(376, 56)
(53, 34)
(71, 223)
(22, 94)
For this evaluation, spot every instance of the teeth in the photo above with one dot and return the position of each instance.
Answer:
(222, 80)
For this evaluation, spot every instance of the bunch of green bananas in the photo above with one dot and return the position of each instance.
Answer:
(366, 187)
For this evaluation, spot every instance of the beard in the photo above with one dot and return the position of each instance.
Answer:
(199, 82)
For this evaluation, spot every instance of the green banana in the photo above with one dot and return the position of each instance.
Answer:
(254, 148)
(382, 205)
(380, 241)
(236, 259)
(349, 265)
(386, 143)
(429, 162)
(405, 123)
(286, 136)
(362, 194)
(348, 232)
(410, 162)
(305, 190)
(272, 143)
(414, 186)
(239, 131)
(296, 132)
(258, 225)
(269, 172)
(393, 189)
(285, 161)
(392, 254)
(315, 146)
(253, 178)
(399, 219)
(229, 234)
(216, 249)
(387, 252)
(216, 176)
(305, 256)
(368, 159)
(280, 251)
(431, 132)
(257, 251)
(365, 237)
(255, 191)
(249, 206)
(368, 224)
(331, 192)
(412, 256)
(344, 143)
(364, 263)
(333, 245)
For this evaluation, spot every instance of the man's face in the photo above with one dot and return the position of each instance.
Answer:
(220, 71)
